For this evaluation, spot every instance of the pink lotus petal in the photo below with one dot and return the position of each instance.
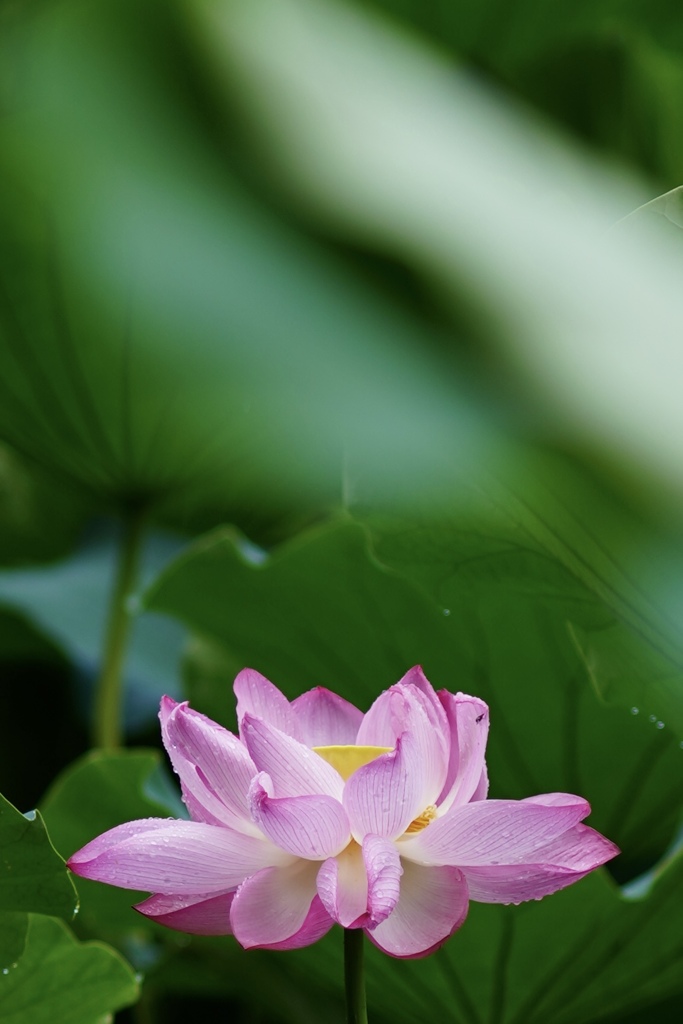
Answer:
(272, 906)
(431, 704)
(493, 832)
(217, 791)
(323, 719)
(407, 710)
(360, 887)
(318, 923)
(384, 870)
(561, 863)
(433, 904)
(468, 720)
(257, 696)
(295, 769)
(197, 915)
(386, 718)
(481, 792)
(166, 856)
(383, 797)
(343, 886)
(313, 827)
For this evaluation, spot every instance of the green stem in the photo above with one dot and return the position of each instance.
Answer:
(107, 719)
(354, 981)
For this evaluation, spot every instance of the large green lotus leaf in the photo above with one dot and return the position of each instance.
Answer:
(39, 519)
(90, 797)
(62, 981)
(13, 928)
(32, 874)
(556, 530)
(578, 956)
(441, 174)
(163, 337)
(321, 610)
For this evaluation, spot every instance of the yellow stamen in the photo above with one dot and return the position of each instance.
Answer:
(422, 820)
(348, 759)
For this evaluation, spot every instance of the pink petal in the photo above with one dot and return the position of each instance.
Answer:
(432, 905)
(273, 906)
(564, 861)
(406, 709)
(468, 719)
(196, 915)
(323, 719)
(384, 869)
(343, 886)
(360, 887)
(493, 832)
(258, 697)
(295, 769)
(214, 766)
(313, 827)
(318, 923)
(386, 795)
(431, 704)
(174, 857)
(481, 792)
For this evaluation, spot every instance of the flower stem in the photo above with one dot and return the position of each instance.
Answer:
(354, 981)
(107, 718)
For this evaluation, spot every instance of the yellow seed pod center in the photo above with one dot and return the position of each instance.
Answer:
(348, 759)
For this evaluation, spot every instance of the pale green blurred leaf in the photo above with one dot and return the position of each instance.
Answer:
(387, 143)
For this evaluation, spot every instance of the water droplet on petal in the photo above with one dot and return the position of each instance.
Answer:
(653, 718)
(660, 725)
(635, 711)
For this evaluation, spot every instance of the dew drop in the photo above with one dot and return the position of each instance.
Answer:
(447, 611)
(5, 970)
(660, 725)
(653, 718)
(681, 744)
(635, 711)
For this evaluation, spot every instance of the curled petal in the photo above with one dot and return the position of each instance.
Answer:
(313, 827)
(324, 719)
(273, 907)
(214, 767)
(196, 915)
(432, 905)
(258, 697)
(360, 887)
(468, 720)
(383, 797)
(490, 832)
(384, 870)
(295, 769)
(174, 857)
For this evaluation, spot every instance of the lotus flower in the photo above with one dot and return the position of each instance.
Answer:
(319, 814)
